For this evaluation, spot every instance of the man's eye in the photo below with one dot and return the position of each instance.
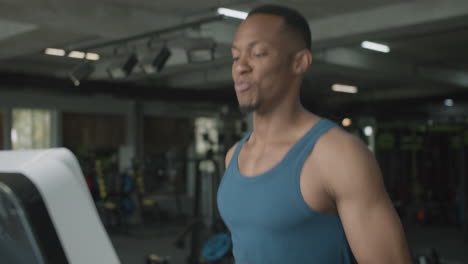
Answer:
(235, 58)
(262, 54)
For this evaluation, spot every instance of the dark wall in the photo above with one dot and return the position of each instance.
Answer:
(95, 131)
(161, 134)
(423, 169)
(165, 141)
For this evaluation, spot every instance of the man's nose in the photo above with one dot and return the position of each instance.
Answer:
(242, 65)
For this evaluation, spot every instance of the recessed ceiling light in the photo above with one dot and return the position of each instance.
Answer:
(76, 54)
(92, 56)
(54, 52)
(375, 46)
(232, 13)
(344, 88)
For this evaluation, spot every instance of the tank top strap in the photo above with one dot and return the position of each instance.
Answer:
(238, 148)
(305, 146)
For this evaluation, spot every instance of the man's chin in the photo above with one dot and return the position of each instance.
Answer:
(247, 109)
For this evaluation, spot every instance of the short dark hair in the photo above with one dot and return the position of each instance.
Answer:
(292, 19)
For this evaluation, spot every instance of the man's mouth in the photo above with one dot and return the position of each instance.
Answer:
(242, 86)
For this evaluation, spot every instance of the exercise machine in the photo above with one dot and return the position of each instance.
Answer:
(47, 214)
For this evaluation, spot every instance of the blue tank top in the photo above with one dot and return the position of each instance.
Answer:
(268, 218)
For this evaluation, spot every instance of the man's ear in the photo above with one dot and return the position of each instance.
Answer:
(302, 61)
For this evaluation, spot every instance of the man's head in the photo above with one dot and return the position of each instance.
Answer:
(271, 52)
(293, 22)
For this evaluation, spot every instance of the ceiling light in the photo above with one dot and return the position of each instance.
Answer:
(81, 72)
(92, 56)
(375, 46)
(448, 102)
(54, 52)
(346, 122)
(232, 13)
(76, 54)
(158, 62)
(344, 88)
(200, 50)
(198, 55)
(123, 71)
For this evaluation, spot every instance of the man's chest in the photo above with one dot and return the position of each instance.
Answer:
(253, 161)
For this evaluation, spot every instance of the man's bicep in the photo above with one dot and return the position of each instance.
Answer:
(371, 224)
(374, 231)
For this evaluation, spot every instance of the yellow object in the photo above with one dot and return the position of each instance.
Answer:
(139, 181)
(153, 257)
(110, 205)
(100, 180)
(148, 202)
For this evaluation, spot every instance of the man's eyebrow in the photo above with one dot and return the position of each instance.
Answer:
(251, 44)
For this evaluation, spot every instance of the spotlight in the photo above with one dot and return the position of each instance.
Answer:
(200, 50)
(123, 71)
(158, 62)
(81, 72)
(201, 53)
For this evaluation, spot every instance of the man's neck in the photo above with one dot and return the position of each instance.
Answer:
(279, 123)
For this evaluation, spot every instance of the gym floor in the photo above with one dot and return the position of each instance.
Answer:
(447, 241)
(139, 242)
(133, 246)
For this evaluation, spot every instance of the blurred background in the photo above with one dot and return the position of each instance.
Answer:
(141, 92)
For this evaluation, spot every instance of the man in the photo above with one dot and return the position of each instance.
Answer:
(298, 189)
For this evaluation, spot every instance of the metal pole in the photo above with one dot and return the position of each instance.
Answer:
(464, 190)
(56, 129)
(7, 124)
(194, 257)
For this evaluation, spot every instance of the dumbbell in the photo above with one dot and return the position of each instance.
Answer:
(217, 247)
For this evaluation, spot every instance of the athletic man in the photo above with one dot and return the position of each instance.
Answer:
(298, 189)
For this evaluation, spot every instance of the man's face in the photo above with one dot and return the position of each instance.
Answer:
(261, 62)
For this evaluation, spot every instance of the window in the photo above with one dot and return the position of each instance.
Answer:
(31, 129)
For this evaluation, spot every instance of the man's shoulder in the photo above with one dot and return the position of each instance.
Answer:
(344, 161)
(338, 151)
(337, 142)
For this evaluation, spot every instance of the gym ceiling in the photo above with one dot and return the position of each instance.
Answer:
(427, 62)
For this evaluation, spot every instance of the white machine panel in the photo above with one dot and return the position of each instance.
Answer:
(56, 175)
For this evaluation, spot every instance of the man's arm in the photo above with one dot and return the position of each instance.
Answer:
(372, 227)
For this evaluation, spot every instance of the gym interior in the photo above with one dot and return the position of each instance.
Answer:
(141, 95)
